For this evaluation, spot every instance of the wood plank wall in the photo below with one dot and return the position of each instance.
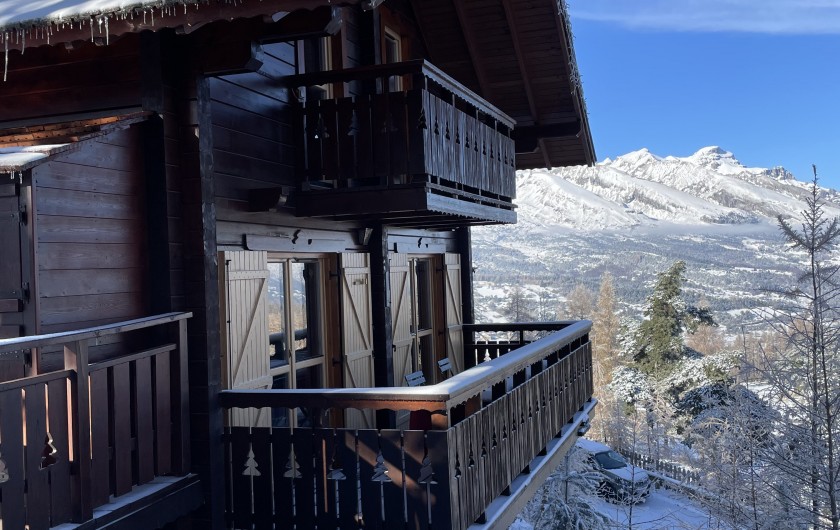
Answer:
(49, 81)
(91, 235)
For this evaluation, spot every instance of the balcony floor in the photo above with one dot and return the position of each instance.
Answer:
(151, 505)
(412, 204)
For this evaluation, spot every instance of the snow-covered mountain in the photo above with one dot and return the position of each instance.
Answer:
(642, 189)
(634, 216)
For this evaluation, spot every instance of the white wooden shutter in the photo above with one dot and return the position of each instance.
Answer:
(357, 332)
(454, 311)
(245, 347)
(401, 321)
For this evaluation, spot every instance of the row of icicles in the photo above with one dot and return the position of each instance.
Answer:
(44, 30)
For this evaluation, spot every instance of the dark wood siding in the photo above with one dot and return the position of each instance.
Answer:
(91, 235)
(50, 81)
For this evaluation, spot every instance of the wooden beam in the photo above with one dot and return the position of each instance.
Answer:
(472, 47)
(520, 59)
(529, 138)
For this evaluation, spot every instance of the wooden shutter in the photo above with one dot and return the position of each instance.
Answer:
(245, 362)
(357, 332)
(454, 311)
(12, 365)
(401, 322)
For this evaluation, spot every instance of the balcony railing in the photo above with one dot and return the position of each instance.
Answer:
(482, 429)
(428, 132)
(73, 439)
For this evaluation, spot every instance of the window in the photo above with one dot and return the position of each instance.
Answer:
(318, 58)
(295, 329)
(392, 53)
(422, 324)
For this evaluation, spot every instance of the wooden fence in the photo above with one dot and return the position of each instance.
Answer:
(72, 438)
(485, 425)
(669, 469)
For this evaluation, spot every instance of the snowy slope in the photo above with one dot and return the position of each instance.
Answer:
(633, 217)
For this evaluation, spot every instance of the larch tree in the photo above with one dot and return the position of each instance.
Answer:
(806, 374)
(579, 303)
(605, 328)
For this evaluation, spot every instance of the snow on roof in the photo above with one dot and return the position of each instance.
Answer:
(17, 13)
(16, 159)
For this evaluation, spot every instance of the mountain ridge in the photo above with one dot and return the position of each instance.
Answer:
(640, 188)
(633, 217)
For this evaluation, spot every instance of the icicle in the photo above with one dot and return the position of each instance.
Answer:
(23, 42)
(6, 65)
(107, 33)
(91, 30)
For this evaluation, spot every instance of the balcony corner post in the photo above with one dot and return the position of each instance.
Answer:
(76, 359)
(181, 404)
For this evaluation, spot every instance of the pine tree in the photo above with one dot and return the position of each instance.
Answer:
(659, 340)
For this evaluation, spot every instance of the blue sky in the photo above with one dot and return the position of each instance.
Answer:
(760, 78)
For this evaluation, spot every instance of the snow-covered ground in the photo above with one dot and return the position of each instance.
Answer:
(664, 509)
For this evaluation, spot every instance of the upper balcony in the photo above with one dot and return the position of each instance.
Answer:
(476, 447)
(410, 146)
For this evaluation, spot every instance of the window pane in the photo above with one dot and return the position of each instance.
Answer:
(424, 294)
(277, 315)
(280, 415)
(310, 377)
(305, 310)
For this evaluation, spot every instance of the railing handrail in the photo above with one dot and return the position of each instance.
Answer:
(415, 66)
(441, 396)
(64, 337)
(554, 325)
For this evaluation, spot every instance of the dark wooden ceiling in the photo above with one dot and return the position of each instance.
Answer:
(517, 55)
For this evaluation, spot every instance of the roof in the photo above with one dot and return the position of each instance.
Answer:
(519, 55)
(24, 146)
(52, 22)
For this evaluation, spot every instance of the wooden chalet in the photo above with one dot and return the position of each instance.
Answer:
(234, 231)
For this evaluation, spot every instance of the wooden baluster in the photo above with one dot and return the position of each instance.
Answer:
(76, 359)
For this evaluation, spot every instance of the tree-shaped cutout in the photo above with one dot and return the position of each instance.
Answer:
(4, 472)
(427, 474)
(48, 454)
(457, 466)
(336, 472)
(353, 126)
(251, 464)
(421, 121)
(292, 466)
(380, 470)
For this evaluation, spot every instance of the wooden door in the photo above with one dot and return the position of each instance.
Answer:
(12, 366)
(245, 347)
(357, 333)
(454, 311)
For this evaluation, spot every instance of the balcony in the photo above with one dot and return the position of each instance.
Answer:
(94, 443)
(421, 149)
(482, 440)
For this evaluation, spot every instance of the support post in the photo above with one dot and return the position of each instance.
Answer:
(76, 359)
(383, 334)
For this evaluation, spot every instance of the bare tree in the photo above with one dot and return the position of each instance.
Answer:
(806, 374)
(579, 303)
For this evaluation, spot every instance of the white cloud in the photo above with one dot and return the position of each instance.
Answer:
(800, 17)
